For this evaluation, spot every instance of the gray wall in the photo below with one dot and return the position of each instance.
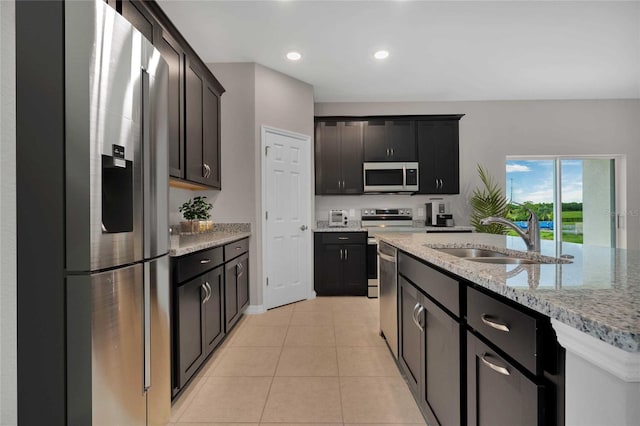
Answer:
(285, 103)
(255, 96)
(8, 279)
(492, 130)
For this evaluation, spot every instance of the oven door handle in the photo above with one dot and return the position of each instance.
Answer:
(386, 257)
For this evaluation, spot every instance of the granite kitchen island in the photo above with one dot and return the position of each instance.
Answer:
(592, 300)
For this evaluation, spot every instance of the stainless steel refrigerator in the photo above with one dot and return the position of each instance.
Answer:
(117, 234)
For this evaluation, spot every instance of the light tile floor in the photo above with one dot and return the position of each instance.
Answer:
(320, 361)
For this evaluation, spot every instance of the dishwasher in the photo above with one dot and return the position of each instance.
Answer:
(388, 287)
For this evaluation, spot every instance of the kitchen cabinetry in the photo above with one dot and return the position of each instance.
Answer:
(174, 54)
(202, 108)
(510, 364)
(390, 140)
(438, 157)
(211, 289)
(236, 281)
(194, 97)
(198, 311)
(430, 341)
(340, 260)
(140, 17)
(339, 157)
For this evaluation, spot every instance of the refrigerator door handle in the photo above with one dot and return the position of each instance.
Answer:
(147, 325)
(146, 163)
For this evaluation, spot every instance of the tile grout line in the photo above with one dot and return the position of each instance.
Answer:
(273, 377)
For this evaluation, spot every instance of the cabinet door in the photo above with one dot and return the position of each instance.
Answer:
(231, 294)
(190, 297)
(243, 282)
(136, 12)
(213, 310)
(195, 170)
(211, 135)
(498, 394)
(375, 141)
(327, 268)
(411, 336)
(328, 173)
(351, 157)
(438, 156)
(354, 270)
(402, 140)
(440, 390)
(174, 55)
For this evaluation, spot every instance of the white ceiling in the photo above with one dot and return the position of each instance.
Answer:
(440, 51)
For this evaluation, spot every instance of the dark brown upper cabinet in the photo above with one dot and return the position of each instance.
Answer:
(339, 157)
(194, 97)
(439, 157)
(390, 140)
(174, 54)
(202, 132)
(140, 17)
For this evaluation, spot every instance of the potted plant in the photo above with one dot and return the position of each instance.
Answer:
(489, 200)
(196, 212)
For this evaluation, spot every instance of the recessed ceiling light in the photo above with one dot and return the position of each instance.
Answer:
(381, 54)
(294, 56)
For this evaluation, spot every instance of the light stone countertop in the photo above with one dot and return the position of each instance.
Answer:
(598, 293)
(190, 244)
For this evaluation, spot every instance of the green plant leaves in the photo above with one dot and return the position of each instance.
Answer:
(196, 209)
(486, 201)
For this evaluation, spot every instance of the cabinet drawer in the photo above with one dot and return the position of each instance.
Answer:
(513, 331)
(191, 265)
(344, 237)
(235, 249)
(440, 287)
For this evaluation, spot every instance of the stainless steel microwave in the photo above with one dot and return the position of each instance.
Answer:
(391, 177)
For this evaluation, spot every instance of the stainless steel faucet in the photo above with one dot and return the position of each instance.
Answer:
(531, 236)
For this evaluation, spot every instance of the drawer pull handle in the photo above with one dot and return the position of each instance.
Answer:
(498, 368)
(417, 310)
(239, 248)
(205, 261)
(343, 238)
(498, 326)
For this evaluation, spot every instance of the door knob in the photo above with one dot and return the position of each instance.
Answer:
(303, 228)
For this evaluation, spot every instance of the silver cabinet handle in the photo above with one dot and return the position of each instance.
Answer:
(420, 317)
(239, 248)
(343, 238)
(346, 254)
(436, 183)
(392, 152)
(206, 293)
(341, 255)
(205, 172)
(239, 270)
(441, 184)
(494, 367)
(387, 152)
(416, 311)
(497, 325)
(210, 290)
(205, 261)
(303, 228)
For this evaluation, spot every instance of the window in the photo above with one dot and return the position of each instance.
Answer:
(580, 191)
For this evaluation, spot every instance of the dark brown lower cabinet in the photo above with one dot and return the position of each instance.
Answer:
(236, 289)
(498, 393)
(199, 321)
(429, 355)
(340, 263)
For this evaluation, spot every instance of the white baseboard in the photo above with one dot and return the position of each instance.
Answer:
(312, 295)
(255, 309)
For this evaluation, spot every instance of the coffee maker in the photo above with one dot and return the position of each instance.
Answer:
(437, 214)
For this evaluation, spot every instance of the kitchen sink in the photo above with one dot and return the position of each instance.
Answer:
(471, 252)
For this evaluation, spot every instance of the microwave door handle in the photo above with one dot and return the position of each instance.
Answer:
(404, 177)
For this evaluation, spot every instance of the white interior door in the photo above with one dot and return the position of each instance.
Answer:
(286, 207)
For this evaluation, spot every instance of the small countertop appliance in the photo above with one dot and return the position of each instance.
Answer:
(437, 214)
(338, 218)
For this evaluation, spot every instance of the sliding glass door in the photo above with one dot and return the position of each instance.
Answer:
(574, 198)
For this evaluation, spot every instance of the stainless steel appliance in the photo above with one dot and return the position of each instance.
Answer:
(389, 295)
(377, 221)
(117, 233)
(390, 177)
(338, 218)
(436, 213)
